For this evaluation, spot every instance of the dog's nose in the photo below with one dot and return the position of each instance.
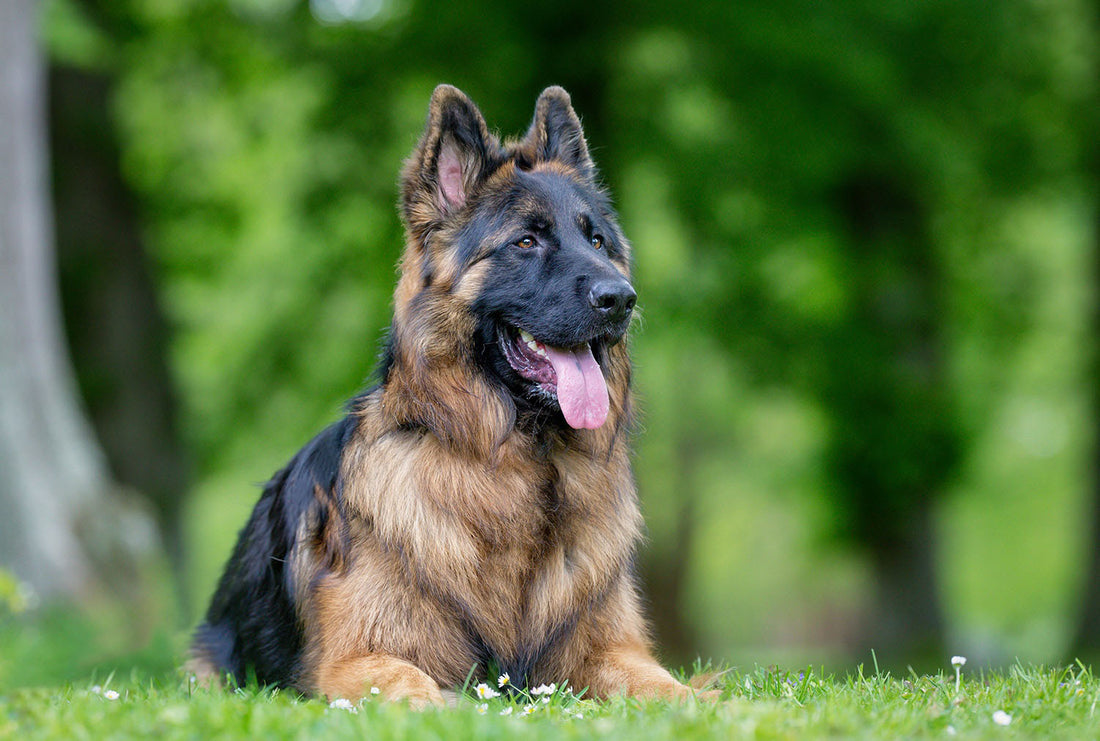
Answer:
(613, 300)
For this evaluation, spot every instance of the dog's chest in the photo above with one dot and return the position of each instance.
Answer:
(520, 597)
(531, 590)
(515, 553)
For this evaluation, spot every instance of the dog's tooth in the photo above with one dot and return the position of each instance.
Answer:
(526, 336)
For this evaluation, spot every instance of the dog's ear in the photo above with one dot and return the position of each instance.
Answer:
(556, 133)
(454, 155)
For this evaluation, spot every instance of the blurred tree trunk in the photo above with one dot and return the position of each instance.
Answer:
(907, 615)
(895, 442)
(665, 573)
(1086, 638)
(65, 529)
(116, 330)
(1085, 641)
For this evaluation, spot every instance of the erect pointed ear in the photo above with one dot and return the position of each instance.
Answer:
(556, 133)
(456, 151)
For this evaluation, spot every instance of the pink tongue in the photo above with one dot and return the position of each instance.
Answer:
(582, 392)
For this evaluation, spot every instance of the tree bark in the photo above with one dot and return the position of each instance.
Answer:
(666, 573)
(895, 438)
(1085, 642)
(906, 619)
(65, 529)
(117, 333)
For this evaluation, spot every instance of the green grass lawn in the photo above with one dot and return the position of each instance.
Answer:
(761, 704)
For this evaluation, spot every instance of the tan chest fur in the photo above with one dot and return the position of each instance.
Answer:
(498, 555)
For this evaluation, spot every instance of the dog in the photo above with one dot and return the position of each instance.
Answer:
(476, 508)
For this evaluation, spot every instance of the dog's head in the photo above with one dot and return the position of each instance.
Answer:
(515, 263)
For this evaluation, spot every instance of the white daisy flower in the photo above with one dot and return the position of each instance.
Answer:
(507, 711)
(341, 703)
(1001, 718)
(485, 692)
(503, 679)
(374, 690)
(482, 708)
(957, 662)
(110, 694)
(544, 689)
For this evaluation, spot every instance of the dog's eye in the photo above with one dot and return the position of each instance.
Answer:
(597, 241)
(526, 243)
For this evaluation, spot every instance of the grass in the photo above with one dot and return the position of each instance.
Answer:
(757, 704)
(65, 675)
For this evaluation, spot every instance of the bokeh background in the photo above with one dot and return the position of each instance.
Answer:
(866, 240)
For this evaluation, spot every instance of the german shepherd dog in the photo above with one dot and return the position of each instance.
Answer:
(477, 507)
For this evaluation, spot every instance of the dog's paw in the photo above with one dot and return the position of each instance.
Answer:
(688, 692)
(703, 685)
(392, 679)
(708, 695)
(419, 693)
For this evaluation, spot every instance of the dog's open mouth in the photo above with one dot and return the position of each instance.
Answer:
(569, 374)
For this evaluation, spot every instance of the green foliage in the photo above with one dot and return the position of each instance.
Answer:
(1031, 702)
(14, 597)
(54, 645)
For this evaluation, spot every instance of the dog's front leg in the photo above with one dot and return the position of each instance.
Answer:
(629, 668)
(396, 680)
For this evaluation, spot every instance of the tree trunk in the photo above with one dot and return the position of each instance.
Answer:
(1085, 643)
(63, 525)
(116, 330)
(666, 573)
(906, 618)
(895, 438)
(1086, 639)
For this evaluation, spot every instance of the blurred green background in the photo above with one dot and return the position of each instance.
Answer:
(866, 240)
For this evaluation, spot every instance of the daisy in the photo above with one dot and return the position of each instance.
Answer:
(485, 692)
(957, 662)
